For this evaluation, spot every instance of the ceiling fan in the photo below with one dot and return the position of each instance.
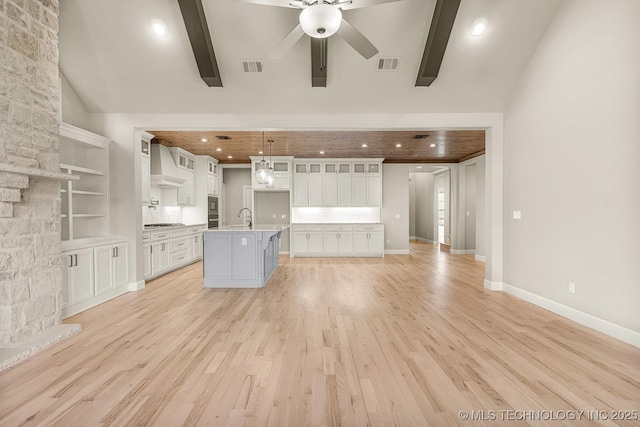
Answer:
(321, 19)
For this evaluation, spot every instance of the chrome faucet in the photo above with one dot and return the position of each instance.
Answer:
(240, 214)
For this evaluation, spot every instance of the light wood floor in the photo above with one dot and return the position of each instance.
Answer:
(403, 340)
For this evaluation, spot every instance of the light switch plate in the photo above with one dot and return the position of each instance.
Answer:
(244, 241)
(517, 215)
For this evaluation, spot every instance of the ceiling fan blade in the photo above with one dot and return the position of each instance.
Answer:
(287, 43)
(279, 3)
(356, 40)
(357, 4)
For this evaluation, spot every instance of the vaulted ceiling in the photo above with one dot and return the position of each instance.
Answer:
(116, 64)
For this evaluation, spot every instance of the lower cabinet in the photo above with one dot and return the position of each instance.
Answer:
(338, 240)
(168, 250)
(93, 275)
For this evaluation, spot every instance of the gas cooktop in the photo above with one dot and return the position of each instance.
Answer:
(163, 224)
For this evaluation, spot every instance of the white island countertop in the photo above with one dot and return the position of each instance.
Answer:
(257, 227)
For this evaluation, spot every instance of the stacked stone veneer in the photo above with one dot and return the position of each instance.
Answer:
(30, 275)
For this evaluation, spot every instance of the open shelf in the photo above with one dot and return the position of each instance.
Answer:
(88, 193)
(73, 168)
(88, 215)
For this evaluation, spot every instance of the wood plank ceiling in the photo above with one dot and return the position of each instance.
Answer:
(441, 146)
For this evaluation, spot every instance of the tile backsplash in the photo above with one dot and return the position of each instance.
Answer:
(161, 214)
(313, 215)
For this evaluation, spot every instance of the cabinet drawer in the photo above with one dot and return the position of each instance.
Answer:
(196, 230)
(337, 228)
(178, 258)
(177, 233)
(146, 238)
(177, 245)
(159, 236)
(305, 228)
(370, 228)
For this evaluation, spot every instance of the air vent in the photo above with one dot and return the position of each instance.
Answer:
(388, 64)
(224, 137)
(420, 136)
(252, 67)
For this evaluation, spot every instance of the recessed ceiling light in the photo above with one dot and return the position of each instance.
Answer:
(478, 27)
(218, 149)
(204, 140)
(159, 28)
(364, 145)
(432, 145)
(398, 145)
(229, 157)
(322, 152)
(419, 167)
(260, 152)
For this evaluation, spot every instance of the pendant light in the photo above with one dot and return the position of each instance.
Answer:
(262, 167)
(270, 179)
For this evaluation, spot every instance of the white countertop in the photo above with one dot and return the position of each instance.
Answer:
(257, 227)
(172, 227)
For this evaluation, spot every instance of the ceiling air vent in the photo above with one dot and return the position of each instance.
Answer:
(223, 137)
(252, 67)
(420, 136)
(388, 64)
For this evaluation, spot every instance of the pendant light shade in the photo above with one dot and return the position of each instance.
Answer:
(262, 167)
(320, 20)
(270, 180)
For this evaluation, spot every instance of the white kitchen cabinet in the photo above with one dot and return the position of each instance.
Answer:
(337, 239)
(374, 190)
(186, 192)
(195, 246)
(77, 276)
(345, 186)
(146, 249)
(330, 189)
(145, 165)
(315, 191)
(359, 194)
(281, 170)
(301, 190)
(212, 177)
(368, 239)
(159, 257)
(111, 267)
(307, 239)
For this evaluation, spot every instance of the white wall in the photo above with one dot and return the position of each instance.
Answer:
(469, 210)
(234, 180)
(480, 207)
(73, 110)
(412, 204)
(395, 201)
(425, 208)
(571, 158)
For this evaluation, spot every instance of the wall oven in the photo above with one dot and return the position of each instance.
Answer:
(213, 213)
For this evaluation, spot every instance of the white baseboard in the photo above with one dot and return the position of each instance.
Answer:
(413, 238)
(431, 242)
(480, 258)
(396, 251)
(136, 286)
(283, 252)
(585, 319)
(463, 251)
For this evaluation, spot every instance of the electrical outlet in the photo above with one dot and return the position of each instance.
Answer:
(284, 216)
(572, 288)
(517, 215)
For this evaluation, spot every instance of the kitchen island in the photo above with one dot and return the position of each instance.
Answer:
(240, 256)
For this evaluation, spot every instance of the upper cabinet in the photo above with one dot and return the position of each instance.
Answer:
(337, 182)
(145, 165)
(212, 176)
(85, 202)
(281, 165)
(186, 163)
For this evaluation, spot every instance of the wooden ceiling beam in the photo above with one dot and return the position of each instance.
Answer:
(442, 21)
(200, 38)
(319, 62)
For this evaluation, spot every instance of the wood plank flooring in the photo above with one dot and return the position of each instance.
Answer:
(399, 341)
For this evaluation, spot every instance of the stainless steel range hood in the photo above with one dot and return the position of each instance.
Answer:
(164, 173)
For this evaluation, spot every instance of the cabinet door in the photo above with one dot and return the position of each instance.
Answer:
(146, 249)
(102, 258)
(65, 261)
(301, 189)
(344, 190)
(121, 265)
(82, 285)
(159, 257)
(300, 243)
(374, 190)
(315, 242)
(345, 243)
(361, 242)
(376, 243)
(185, 193)
(330, 190)
(197, 246)
(359, 190)
(315, 190)
(330, 240)
(210, 185)
(145, 172)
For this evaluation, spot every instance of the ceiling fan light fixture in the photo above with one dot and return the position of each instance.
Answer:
(320, 20)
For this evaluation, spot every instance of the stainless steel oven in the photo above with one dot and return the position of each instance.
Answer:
(213, 213)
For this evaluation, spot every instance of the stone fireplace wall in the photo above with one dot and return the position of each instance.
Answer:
(30, 274)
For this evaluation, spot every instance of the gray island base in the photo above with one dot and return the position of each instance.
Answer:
(241, 257)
